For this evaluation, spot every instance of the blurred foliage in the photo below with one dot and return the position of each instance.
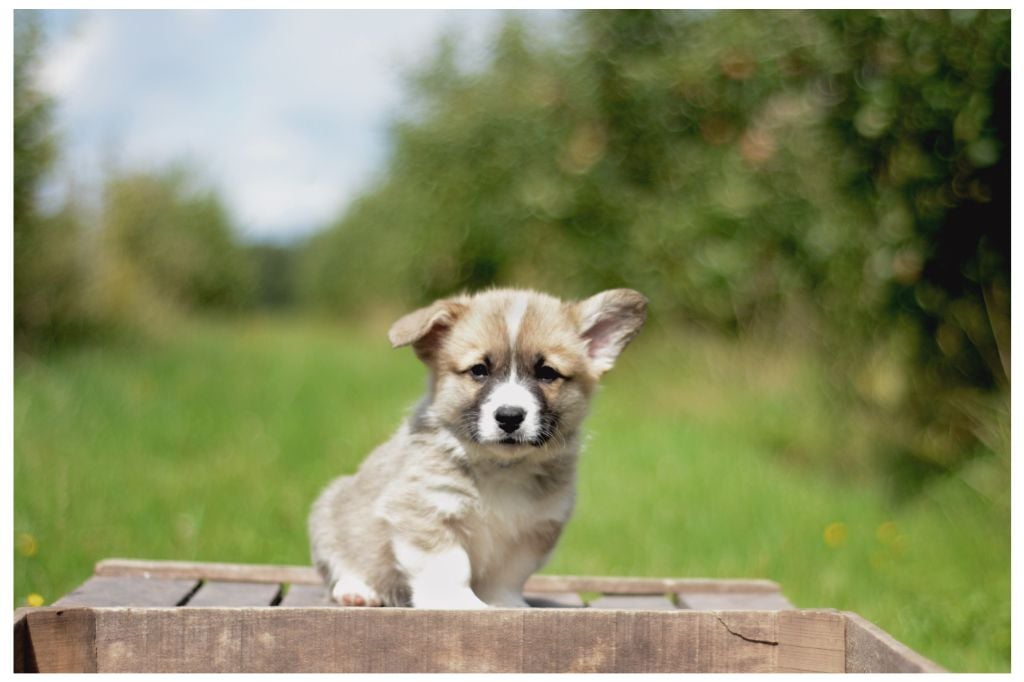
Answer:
(48, 271)
(163, 244)
(33, 140)
(177, 238)
(839, 176)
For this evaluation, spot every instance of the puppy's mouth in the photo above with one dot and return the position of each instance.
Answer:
(517, 440)
(528, 442)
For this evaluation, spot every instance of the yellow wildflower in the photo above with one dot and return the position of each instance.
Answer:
(887, 532)
(27, 544)
(835, 534)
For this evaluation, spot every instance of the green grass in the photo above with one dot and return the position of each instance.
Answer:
(706, 459)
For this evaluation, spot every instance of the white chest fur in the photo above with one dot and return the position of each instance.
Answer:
(506, 512)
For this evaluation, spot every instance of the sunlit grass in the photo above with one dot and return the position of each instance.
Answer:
(705, 459)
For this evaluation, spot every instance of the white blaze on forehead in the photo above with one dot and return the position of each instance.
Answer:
(514, 316)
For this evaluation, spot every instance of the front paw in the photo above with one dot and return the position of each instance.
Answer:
(349, 591)
(461, 599)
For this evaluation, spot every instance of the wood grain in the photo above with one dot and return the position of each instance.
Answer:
(198, 570)
(128, 591)
(539, 583)
(811, 641)
(552, 643)
(59, 640)
(278, 639)
(220, 593)
(326, 639)
(869, 649)
(734, 601)
(23, 657)
(614, 585)
(659, 643)
(738, 642)
(282, 639)
(637, 602)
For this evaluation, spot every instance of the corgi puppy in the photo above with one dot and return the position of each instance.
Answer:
(468, 498)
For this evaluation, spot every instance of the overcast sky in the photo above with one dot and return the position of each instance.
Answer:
(284, 112)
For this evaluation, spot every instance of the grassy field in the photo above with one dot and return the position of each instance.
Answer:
(704, 460)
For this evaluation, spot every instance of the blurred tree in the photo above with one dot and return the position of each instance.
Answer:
(843, 173)
(177, 239)
(927, 124)
(46, 273)
(34, 147)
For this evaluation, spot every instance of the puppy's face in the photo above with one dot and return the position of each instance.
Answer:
(512, 371)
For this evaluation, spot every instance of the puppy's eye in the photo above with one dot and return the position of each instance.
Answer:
(479, 371)
(547, 374)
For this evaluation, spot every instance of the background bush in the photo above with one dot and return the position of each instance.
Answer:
(178, 238)
(841, 177)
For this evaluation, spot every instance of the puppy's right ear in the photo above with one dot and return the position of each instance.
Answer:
(426, 328)
(609, 321)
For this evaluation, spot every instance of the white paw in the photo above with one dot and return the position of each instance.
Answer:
(349, 591)
(455, 599)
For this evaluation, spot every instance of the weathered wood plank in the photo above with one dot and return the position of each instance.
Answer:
(199, 570)
(638, 602)
(494, 640)
(734, 601)
(306, 595)
(614, 585)
(811, 641)
(598, 641)
(539, 583)
(59, 641)
(551, 643)
(869, 649)
(284, 639)
(22, 654)
(219, 593)
(738, 642)
(755, 626)
(55, 639)
(657, 643)
(553, 600)
(128, 591)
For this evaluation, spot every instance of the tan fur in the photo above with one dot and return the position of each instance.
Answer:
(438, 499)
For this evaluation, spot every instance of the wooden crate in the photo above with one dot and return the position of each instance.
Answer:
(145, 616)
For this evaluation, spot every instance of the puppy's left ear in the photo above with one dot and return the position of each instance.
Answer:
(609, 321)
(425, 328)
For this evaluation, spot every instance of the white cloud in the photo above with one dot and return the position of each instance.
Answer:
(285, 111)
(69, 60)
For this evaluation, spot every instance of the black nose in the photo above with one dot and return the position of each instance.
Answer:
(509, 417)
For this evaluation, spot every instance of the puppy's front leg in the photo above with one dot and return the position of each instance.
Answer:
(438, 578)
(504, 586)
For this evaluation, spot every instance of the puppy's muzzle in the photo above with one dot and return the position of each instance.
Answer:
(509, 418)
